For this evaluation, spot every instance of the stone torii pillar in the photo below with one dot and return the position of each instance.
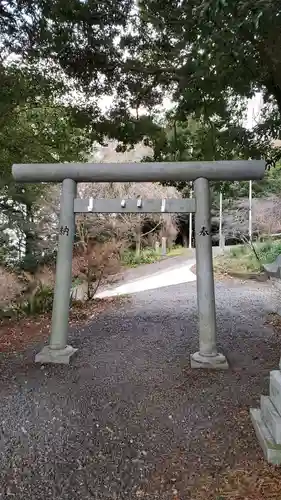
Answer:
(207, 356)
(58, 351)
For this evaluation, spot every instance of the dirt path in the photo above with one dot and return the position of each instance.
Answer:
(129, 419)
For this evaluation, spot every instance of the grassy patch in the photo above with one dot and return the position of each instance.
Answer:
(242, 258)
(178, 250)
(149, 255)
(146, 256)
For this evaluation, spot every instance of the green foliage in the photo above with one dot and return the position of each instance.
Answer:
(81, 46)
(146, 256)
(35, 128)
(36, 133)
(5, 247)
(213, 46)
(204, 53)
(212, 56)
(207, 55)
(209, 139)
(77, 281)
(78, 36)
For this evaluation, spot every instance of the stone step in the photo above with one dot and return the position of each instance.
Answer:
(271, 418)
(272, 451)
(275, 389)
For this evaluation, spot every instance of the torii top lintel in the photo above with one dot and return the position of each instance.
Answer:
(234, 170)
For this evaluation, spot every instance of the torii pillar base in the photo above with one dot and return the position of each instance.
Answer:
(55, 356)
(216, 362)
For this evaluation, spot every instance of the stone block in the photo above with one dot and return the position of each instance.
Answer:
(272, 451)
(164, 246)
(271, 418)
(275, 389)
(80, 292)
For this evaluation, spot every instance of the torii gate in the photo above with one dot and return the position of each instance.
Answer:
(200, 172)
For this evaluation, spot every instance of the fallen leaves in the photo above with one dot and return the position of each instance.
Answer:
(250, 481)
(17, 335)
(246, 481)
(274, 320)
(233, 475)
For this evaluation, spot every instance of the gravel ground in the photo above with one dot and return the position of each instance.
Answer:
(129, 419)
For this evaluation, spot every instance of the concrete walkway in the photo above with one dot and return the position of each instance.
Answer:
(176, 275)
(173, 271)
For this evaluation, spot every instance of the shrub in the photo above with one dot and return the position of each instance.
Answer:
(95, 262)
(40, 301)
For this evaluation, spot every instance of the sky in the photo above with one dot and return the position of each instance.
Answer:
(254, 110)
